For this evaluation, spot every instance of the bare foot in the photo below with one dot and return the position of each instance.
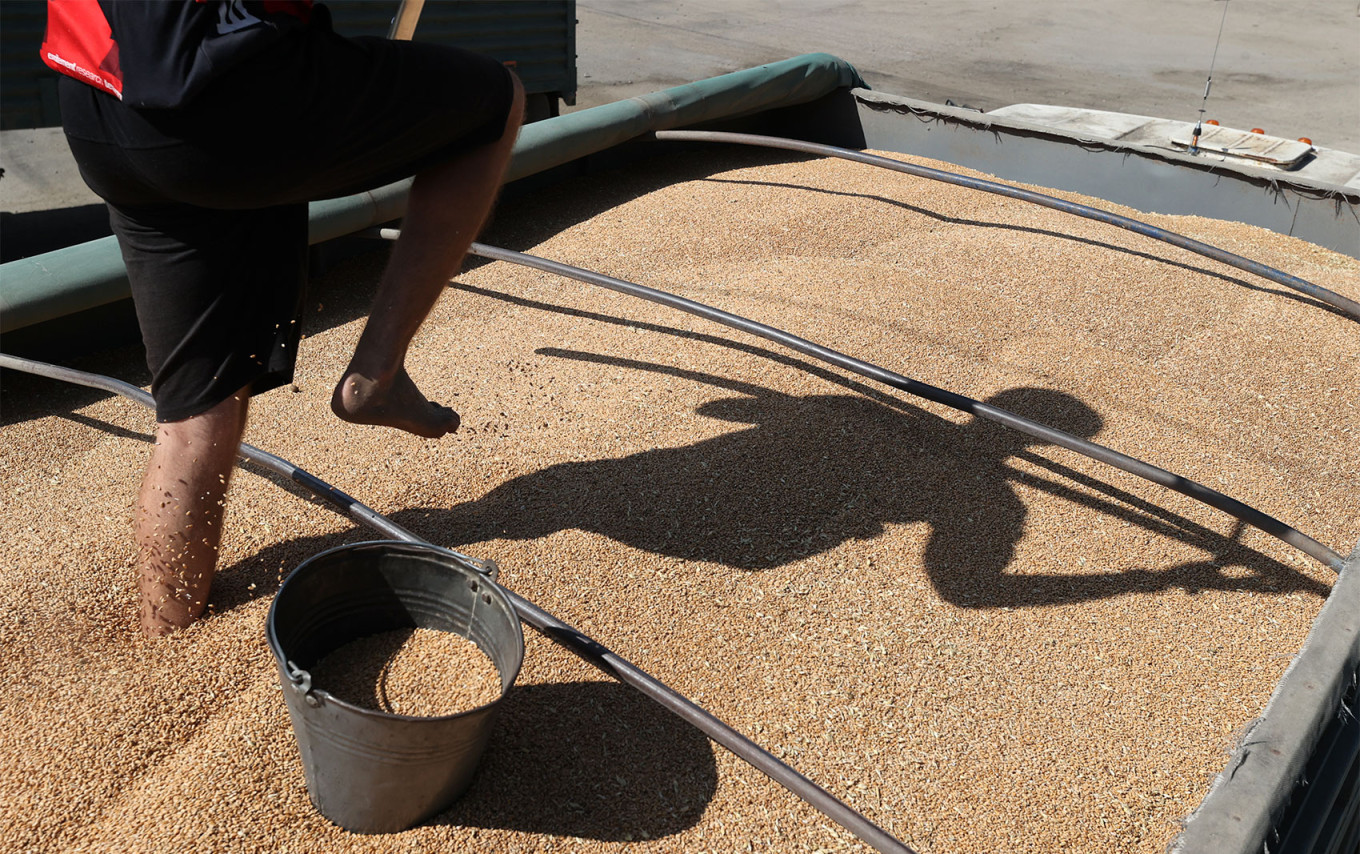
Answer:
(361, 400)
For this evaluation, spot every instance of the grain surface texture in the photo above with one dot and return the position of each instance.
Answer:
(982, 642)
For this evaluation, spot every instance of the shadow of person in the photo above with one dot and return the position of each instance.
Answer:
(594, 760)
(798, 482)
(814, 472)
(969, 576)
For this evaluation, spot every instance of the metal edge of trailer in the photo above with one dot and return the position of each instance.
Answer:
(1290, 785)
(1317, 201)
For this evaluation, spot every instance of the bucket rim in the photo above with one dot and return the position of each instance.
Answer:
(496, 590)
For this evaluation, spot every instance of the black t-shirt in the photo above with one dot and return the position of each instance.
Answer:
(153, 54)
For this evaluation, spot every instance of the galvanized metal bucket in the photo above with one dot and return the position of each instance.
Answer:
(370, 771)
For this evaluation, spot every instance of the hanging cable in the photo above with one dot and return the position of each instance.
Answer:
(1208, 82)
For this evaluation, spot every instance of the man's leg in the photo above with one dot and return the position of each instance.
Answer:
(179, 513)
(449, 204)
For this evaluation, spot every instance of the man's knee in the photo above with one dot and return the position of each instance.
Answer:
(222, 425)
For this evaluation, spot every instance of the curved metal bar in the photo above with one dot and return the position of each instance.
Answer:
(351, 506)
(1342, 304)
(1132, 465)
(574, 640)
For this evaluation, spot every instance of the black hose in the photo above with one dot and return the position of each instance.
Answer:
(577, 642)
(1342, 304)
(1185, 486)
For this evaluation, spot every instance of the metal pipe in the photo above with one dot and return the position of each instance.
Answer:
(574, 640)
(354, 508)
(1132, 465)
(1342, 304)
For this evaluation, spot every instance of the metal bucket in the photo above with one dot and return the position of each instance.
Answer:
(370, 771)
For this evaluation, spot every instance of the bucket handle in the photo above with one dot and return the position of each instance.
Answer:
(483, 566)
(301, 681)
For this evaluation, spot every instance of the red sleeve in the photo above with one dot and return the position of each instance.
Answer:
(79, 44)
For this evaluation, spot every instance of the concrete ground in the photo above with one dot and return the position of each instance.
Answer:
(1290, 68)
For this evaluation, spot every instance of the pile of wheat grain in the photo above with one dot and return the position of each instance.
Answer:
(981, 642)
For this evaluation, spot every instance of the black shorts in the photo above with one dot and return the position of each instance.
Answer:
(209, 202)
